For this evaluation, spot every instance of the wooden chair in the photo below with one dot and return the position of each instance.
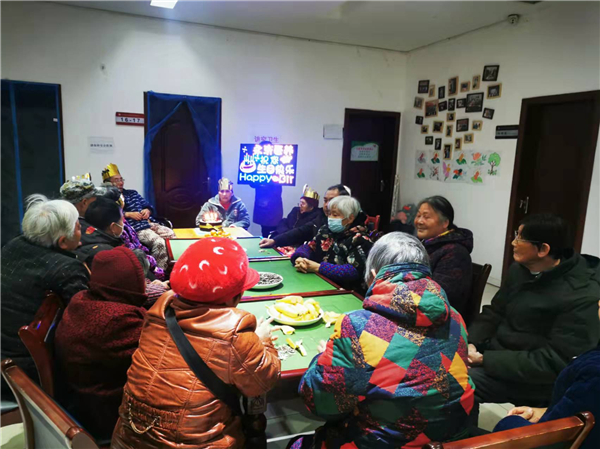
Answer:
(481, 273)
(45, 423)
(373, 221)
(38, 338)
(573, 430)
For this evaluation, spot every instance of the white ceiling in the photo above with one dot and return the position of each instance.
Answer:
(401, 26)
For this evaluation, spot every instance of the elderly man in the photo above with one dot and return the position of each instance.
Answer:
(299, 235)
(139, 212)
(226, 206)
(80, 192)
(544, 315)
(39, 260)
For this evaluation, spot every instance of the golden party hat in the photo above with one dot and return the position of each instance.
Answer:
(225, 184)
(307, 192)
(110, 171)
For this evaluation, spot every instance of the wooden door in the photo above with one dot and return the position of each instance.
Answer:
(372, 182)
(554, 162)
(178, 170)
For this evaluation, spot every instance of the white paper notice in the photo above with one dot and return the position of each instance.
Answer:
(101, 144)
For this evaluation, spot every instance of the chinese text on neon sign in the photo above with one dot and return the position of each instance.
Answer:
(268, 164)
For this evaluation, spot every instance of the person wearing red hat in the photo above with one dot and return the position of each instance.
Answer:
(165, 405)
(96, 339)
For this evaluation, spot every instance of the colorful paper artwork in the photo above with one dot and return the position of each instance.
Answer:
(494, 160)
(460, 174)
(446, 171)
(421, 167)
(460, 158)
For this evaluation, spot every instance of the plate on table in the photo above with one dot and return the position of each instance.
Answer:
(268, 280)
(282, 319)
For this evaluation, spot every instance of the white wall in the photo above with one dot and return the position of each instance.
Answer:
(269, 85)
(555, 51)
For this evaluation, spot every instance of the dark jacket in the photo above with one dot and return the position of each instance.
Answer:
(268, 205)
(295, 219)
(237, 214)
(96, 338)
(305, 233)
(577, 389)
(536, 325)
(451, 266)
(93, 241)
(28, 271)
(134, 202)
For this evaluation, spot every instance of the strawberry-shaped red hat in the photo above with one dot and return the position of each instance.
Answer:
(213, 270)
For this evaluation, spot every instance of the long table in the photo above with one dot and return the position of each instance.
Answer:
(176, 247)
(196, 233)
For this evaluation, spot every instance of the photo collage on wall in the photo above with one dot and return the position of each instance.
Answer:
(454, 157)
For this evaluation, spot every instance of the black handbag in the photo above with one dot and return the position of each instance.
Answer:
(220, 389)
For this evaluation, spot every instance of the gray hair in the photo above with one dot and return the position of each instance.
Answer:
(395, 247)
(46, 221)
(141, 256)
(346, 205)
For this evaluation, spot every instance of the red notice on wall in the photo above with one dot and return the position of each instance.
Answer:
(129, 119)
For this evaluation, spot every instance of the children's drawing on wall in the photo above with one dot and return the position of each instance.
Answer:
(447, 169)
(461, 159)
(494, 160)
(477, 159)
(476, 178)
(435, 158)
(459, 175)
(420, 173)
(421, 160)
(434, 172)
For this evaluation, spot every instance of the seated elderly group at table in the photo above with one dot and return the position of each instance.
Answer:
(400, 372)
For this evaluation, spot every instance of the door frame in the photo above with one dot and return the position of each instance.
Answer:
(346, 148)
(587, 165)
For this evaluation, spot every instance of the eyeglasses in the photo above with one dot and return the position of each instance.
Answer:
(118, 180)
(519, 239)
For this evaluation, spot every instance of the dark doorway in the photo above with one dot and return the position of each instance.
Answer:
(371, 181)
(32, 148)
(554, 162)
(179, 170)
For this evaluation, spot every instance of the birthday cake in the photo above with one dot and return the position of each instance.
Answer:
(210, 221)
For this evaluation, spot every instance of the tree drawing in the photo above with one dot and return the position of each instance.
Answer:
(494, 161)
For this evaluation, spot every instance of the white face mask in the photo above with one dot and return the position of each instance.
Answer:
(120, 233)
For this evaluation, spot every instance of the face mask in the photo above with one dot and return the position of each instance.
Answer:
(335, 224)
(120, 233)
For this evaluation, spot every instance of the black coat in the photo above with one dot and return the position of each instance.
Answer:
(295, 219)
(536, 325)
(93, 241)
(451, 266)
(28, 271)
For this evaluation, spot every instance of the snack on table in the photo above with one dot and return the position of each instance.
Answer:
(267, 279)
(330, 318)
(217, 233)
(296, 308)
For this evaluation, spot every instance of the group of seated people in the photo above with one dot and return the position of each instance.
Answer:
(400, 372)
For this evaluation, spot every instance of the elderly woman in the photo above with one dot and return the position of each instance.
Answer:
(393, 374)
(337, 252)
(449, 249)
(306, 211)
(39, 260)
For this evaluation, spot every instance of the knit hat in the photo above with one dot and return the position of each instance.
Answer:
(76, 191)
(213, 270)
(118, 276)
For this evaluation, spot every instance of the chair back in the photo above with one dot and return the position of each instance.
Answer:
(481, 273)
(572, 430)
(374, 221)
(46, 424)
(38, 338)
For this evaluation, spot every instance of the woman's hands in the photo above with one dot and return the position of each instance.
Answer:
(306, 266)
(264, 331)
(474, 357)
(531, 414)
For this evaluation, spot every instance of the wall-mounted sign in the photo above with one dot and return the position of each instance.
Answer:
(272, 139)
(101, 144)
(129, 119)
(268, 164)
(364, 151)
(507, 132)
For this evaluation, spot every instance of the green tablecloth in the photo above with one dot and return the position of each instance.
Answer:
(293, 281)
(250, 245)
(310, 335)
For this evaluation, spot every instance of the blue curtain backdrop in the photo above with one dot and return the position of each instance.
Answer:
(206, 115)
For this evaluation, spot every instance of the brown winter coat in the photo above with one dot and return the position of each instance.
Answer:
(164, 395)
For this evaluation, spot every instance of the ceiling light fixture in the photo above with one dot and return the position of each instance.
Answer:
(169, 4)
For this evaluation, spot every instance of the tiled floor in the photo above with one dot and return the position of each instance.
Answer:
(288, 418)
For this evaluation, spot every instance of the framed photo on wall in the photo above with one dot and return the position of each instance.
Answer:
(462, 125)
(475, 102)
(438, 127)
(458, 143)
(477, 125)
(441, 92)
(418, 103)
(453, 86)
(442, 106)
(461, 103)
(448, 130)
(423, 87)
(431, 108)
(432, 90)
(476, 82)
(419, 120)
(488, 113)
(452, 104)
(438, 144)
(490, 72)
(424, 129)
(450, 116)
(428, 140)
(448, 151)
(494, 91)
(469, 138)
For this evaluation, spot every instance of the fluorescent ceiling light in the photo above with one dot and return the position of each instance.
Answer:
(170, 4)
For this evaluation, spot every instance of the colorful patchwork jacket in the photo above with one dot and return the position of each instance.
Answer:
(236, 215)
(393, 375)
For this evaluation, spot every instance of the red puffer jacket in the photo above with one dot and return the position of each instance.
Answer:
(165, 405)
